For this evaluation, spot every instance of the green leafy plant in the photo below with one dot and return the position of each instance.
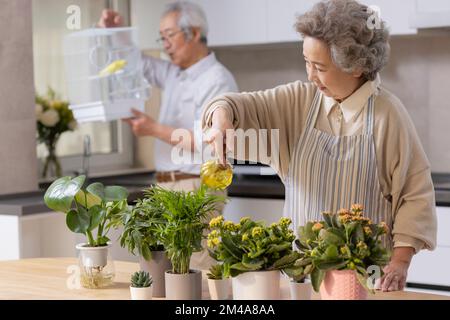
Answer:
(215, 272)
(251, 246)
(141, 279)
(96, 207)
(142, 226)
(342, 241)
(185, 214)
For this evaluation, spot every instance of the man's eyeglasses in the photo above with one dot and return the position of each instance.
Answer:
(168, 37)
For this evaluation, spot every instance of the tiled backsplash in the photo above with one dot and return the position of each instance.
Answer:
(418, 73)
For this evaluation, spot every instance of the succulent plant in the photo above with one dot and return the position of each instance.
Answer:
(141, 279)
(215, 272)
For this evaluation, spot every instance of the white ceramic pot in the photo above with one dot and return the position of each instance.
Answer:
(300, 291)
(257, 285)
(143, 293)
(93, 256)
(219, 289)
(184, 286)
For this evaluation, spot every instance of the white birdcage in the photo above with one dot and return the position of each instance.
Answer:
(104, 73)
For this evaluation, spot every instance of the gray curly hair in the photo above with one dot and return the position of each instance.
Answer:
(344, 26)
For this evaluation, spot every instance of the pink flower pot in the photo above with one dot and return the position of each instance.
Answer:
(342, 285)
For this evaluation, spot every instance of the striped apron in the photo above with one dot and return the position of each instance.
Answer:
(327, 173)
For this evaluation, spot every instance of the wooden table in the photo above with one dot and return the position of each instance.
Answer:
(51, 278)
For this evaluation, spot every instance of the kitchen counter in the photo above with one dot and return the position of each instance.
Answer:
(244, 185)
(51, 279)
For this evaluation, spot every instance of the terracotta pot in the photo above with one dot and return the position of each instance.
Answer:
(342, 285)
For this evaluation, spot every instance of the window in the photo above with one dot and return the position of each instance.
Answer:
(111, 142)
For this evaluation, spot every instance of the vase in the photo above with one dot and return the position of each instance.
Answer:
(342, 285)
(52, 166)
(96, 266)
(257, 285)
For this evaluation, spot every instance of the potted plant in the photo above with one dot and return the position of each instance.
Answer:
(218, 285)
(141, 235)
(339, 250)
(185, 213)
(141, 286)
(87, 210)
(299, 284)
(253, 255)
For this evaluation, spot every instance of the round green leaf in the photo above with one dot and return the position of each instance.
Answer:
(78, 221)
(59, 196)
(97, 189)
(115, 193)
(87, 199)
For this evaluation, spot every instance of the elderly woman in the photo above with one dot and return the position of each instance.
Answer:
(343, 139)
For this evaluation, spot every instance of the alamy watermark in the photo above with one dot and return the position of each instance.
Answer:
(374, 20)
(73, 21)
(254, 145)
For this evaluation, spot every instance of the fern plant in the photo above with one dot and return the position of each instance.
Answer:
(141, 226)
(186, 214)
(141, 279)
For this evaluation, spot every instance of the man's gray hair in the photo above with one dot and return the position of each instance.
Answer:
(346, 26)
(191, 16)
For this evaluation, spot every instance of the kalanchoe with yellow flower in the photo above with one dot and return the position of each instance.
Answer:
(251, 246)
(345, 240)
(53, 118)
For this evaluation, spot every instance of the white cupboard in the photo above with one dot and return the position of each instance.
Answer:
(246, 22)
(432, 267)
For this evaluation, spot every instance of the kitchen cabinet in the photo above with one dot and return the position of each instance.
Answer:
(246, 22)
(431, 14)
(235, 22)
(396, 14)
(432, 267)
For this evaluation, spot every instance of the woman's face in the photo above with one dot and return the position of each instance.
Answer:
(332, 81)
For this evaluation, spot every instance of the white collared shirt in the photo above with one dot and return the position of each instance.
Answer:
(345, 118)
(185, 93)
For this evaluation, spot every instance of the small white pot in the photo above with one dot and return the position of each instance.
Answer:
(144, 293)
(257, 285)
(93, 256)
(300, 291)
(219, 289)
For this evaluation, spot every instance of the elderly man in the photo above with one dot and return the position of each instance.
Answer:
(191, 78)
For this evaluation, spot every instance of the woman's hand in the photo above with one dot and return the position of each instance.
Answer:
(110, 19)
(220, 134)
(396, 271)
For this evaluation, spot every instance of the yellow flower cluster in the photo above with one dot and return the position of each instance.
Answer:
(216, 222)
(230, 226)
(285, 222)
(384, 226)
(213, 242)
(245, 237)
(256, 232)
(244, 220)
